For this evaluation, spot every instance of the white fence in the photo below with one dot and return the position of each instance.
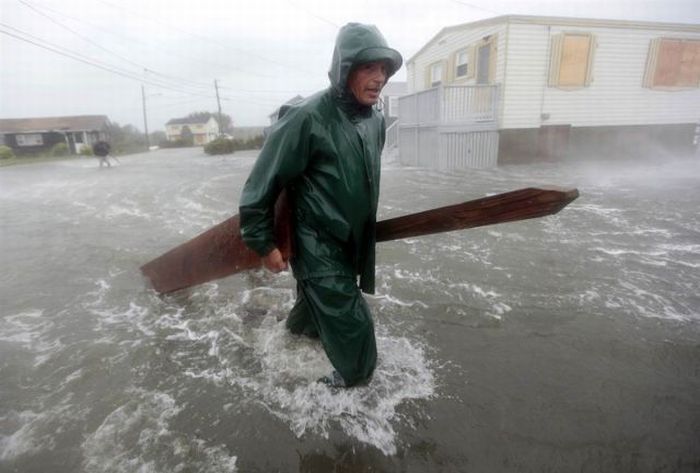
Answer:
(449, 127)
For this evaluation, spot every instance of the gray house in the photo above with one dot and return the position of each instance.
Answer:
(33, 135)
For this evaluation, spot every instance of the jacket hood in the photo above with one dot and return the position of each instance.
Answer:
(356, 44)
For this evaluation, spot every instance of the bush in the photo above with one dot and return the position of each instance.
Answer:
(86, 151)
(6, 152)
(60, 149)
(221, 146)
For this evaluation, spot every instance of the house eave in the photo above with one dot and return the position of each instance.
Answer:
(560, 21)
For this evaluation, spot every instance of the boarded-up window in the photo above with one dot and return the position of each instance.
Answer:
(571, 60)
(673, 63)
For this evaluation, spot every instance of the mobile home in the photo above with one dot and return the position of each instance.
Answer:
(518, 88)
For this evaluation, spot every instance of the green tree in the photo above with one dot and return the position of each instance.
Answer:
(157, 136)
(125, 139)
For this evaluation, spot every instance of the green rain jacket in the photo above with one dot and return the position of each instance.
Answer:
(326, 152)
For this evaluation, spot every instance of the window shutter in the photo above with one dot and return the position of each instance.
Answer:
(652, 57)
(492, 58)
(428, 75)
(448, 70)
(593, 45)
(471, 69)
(446, 77)
(555, 60)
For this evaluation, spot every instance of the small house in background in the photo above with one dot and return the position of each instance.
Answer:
(517, 88)
(36, 135)
(203, 130)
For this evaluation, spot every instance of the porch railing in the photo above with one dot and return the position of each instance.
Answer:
(450, 105)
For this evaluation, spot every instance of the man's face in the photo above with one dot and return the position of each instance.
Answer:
(366, 81)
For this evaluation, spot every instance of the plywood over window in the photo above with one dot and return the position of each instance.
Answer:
(571, 60)
(673, 63)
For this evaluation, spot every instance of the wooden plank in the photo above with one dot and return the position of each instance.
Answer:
(220, 251)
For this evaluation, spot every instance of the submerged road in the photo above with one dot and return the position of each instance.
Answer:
(568, 343)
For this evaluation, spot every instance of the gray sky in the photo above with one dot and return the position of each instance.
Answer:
(262, 52)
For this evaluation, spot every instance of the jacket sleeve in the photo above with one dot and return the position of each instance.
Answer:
(284, 157)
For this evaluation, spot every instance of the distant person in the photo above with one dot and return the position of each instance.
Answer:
(325, 151)
(101, 149)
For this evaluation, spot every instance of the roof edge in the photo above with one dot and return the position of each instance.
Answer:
(561, 21)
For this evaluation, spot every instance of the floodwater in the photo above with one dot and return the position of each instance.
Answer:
(566, 343)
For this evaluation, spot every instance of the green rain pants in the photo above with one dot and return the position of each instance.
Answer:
(333, 309)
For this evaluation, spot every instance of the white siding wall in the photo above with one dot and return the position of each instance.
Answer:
(615, 97)
(448, 44)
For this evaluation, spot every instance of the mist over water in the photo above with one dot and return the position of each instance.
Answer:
(566, 343)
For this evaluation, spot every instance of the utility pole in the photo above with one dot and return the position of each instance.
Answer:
(218, 102)
(145, 120)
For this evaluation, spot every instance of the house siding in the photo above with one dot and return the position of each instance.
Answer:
(443, 50)
(615, 97)
(611, 113)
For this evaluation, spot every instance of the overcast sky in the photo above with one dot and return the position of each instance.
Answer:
(92, 56)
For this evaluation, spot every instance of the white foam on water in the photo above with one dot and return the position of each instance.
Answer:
(283, 371)
(692, 248)
(28, 432)
(137, 437)
(31, 330)
(23, 440)
(288, 389)
(640, 301)
(391, 300)
(118, 211)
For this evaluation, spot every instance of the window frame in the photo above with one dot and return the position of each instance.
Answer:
(29, 139)
(467, 53)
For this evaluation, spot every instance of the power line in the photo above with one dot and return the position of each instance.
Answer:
(318, 17)
(90, 61)
(90, 41)
(209, 40)
(476, 7)
(120, 35)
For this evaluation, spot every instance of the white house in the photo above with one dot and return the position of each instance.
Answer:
(515, 88)
(203, 130)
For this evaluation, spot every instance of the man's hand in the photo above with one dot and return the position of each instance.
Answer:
(274, 261)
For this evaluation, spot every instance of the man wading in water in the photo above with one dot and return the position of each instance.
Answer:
(326, 152)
